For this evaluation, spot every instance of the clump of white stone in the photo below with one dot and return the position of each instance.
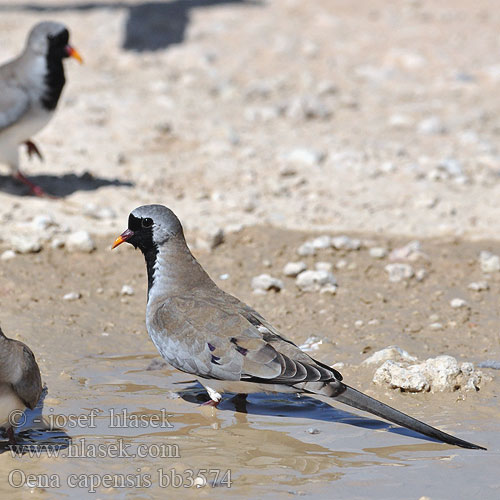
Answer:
(478, 286)
(292, 269)
(378, 252)
(442, 373)
(392, 352)
(410, 252)
(490, 263)
(458, 303)
(264, 283)
(399, 272)
(127, 290)
(345, 243)
(80, 241)
(317, 281)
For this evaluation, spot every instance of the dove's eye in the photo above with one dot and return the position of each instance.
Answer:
(147, 222)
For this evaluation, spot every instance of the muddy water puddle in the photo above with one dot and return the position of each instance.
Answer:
(133, 428)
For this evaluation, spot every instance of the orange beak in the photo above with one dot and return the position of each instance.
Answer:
(74, 53)
(126, 235)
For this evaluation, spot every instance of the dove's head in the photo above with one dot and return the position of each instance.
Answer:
(50, 39)
(150, 226)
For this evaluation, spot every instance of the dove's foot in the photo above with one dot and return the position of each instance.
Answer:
(33, 149)
(211, 402)
(34, 189)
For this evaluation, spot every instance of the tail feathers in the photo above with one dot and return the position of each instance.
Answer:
(361, 401)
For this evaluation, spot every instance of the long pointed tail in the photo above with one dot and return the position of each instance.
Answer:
(361, 401)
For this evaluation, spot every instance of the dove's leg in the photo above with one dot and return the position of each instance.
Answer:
(35, 190)
(215, 397)
(33, 150)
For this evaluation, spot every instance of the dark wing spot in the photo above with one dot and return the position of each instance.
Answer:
(215, 360)
(211, 347)
(241, 350)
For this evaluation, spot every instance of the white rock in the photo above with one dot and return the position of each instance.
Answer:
(436, 326)
(378, 252)
(265, 282)
(458, 303)
(431, 125)
(442, 373)
(412, 251)
(392, 352)
(304, 108)
(322, 242)
(306, 249)
(323, 266)
(345, 243)
(341, 264)
(398, 377)
(25, 243)
(127, 290)
(314, 281)
(42, 222)
(211, 239)
(8, 255)
(451, 166)
(97, 212)
(399, 121)
(489, 262)
(421, 274)
(302, 156)
(293, 269)
(57, 242)
(478, 286)
(399, 272)
(80, 241)
(72, 296)
(328, 289)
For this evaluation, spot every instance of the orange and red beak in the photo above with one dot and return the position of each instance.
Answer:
(73, 53)
(126, 235)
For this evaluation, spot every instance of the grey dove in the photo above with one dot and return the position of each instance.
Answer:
(30, 87)
(20, 382)
(227, 345)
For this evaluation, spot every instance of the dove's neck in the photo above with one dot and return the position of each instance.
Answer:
(54, 81)
(172, 270)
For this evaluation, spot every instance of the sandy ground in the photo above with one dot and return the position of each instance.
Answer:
(378, 119)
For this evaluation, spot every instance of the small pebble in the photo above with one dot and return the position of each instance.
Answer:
(293, 269)
(436, 326)
(265, 282)
(478, 286)
(313, 281)
(489, 262)
(458, 303)
(378, 252)
(313, 430)
(72, 296)
(323, 266)
(8, 255)
(399, 272)
(80, 241)
(345, 243)
(127, 290)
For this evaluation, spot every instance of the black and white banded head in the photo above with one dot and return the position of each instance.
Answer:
(149, 227)
(51, 39)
